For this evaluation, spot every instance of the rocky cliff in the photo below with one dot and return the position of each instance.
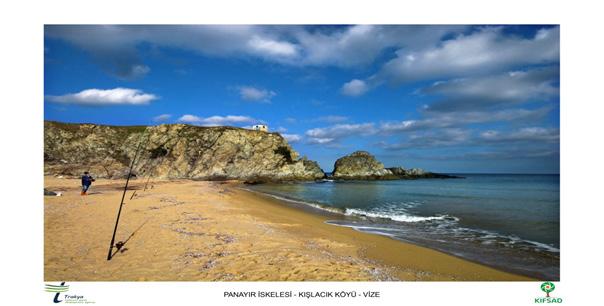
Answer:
(173, 151)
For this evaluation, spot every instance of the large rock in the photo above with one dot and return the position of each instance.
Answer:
(173, 151)
(360, 165)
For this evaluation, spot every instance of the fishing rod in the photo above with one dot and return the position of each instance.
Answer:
(117, 220)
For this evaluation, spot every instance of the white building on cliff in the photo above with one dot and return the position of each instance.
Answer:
(260, 127)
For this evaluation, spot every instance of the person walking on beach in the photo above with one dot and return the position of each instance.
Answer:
(86, 182)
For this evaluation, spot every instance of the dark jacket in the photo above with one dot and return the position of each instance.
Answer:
(87, 180)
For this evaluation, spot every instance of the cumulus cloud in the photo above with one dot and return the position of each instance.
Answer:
(331, 119)
(339, 131)
(456, 119)
(540, 139)
(315, 140)
(354, 88)
(485, 51)
(217, 120)
(292, 138)
(162, 118)
(432, 138)
(491, 154)
(360, 45)
(509, 154)
(271, 47)
(115, 46)
(528, 134)
(112, 47)
(496, 90)
(440, 129)
(250, 93)
(96, 97)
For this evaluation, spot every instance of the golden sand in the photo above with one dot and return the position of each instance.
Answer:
(210, 231)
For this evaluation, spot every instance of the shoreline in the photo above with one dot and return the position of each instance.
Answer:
(215, 231)
(380, 241)
(332, 215)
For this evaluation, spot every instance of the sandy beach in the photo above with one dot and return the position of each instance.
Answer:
(184, 230)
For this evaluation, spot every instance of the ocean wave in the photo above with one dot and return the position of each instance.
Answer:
(394, 216)
(487, 237)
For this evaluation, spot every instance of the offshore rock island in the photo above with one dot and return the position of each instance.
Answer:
(361, 165)
(180, 151)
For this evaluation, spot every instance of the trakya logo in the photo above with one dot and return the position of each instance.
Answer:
(58, 290)
(547, 287)
(67, 298)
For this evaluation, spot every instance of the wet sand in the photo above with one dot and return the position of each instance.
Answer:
(211, 231)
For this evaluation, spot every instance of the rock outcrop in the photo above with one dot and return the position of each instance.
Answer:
(173, 151)
(417, 173)
(360, 165)
(398, 171)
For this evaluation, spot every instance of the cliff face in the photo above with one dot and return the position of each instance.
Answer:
(360, 165)
(173, 151)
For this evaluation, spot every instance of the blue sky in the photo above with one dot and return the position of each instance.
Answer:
(443, 98)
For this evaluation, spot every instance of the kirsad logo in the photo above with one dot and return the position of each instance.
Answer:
(547, 287)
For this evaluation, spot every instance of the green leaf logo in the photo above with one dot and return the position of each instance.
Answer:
(547, 287)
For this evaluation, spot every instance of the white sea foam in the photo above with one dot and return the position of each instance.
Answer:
(490, 237)
(400, 217)
(395, 217)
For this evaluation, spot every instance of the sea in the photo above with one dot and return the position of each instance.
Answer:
(507, 221)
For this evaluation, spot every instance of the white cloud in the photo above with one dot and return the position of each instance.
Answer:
(217, 120)
(271, 47)
(250, 93)
(314, 140)
(436, 129)
(360, 45)
(485, 51)
(432, 138)
(454, 119)
(489, 91)
(162, 118)
(116, 96)
(190, 119)
(338, 131)
(115, 46)
(529, 134)
(138, 71)
(331, 119)
(533, 139)
(292, 138)
(354, 88)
